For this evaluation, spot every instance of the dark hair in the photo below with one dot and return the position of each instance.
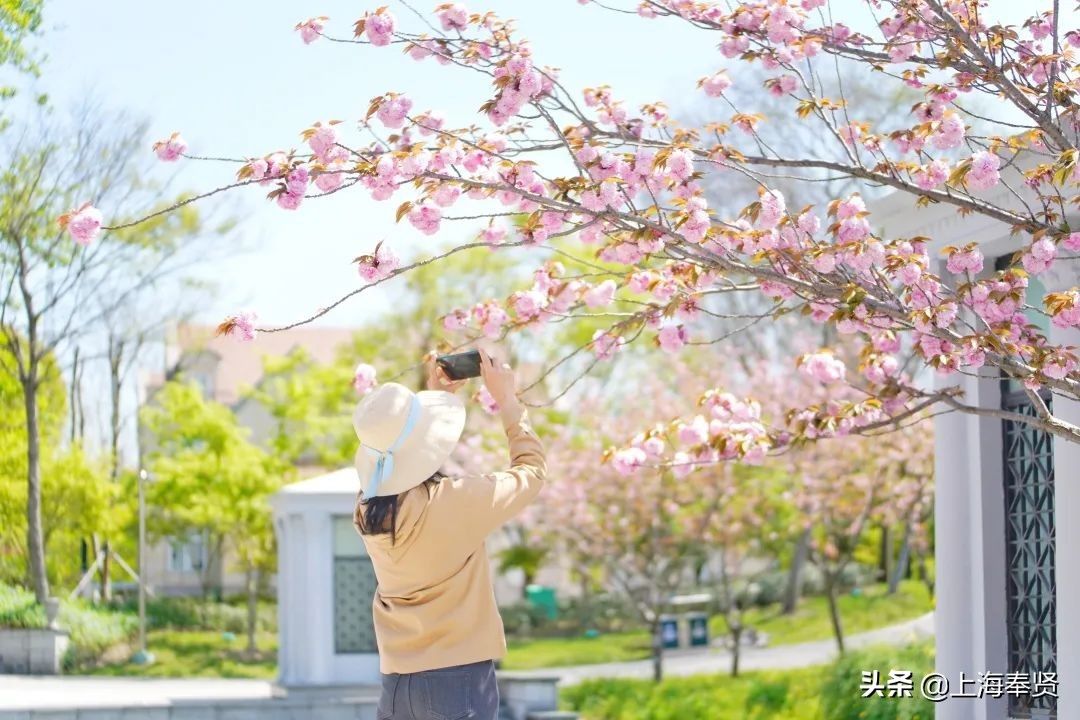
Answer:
(378, 515)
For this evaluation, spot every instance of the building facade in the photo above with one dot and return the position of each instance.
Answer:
(1007, 551)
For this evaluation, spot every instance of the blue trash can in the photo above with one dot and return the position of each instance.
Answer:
(669, 631)
(699, 629)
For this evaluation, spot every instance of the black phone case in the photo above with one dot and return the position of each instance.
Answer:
(461, 366)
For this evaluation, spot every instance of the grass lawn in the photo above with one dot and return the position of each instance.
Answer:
(794, 693)
(872, 609)
(555, 652)
(826, 692)
(193, 653)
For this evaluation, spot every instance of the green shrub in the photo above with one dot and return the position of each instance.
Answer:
(791, 695)
(829, 692)
(604, 613)
(841, 697)
(93, 629)
(191, 613)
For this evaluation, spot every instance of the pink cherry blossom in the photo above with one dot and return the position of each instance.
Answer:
(716, 84)
(983, 173)
(379, 28)
(486, 401)
(695, 432)
(453, 16)
(364, 378)
(289, 201)
(322, 140)
(851, 206)
(379, 265)
(456, 320)
(1072, 242)
(296, 181)
(600, 295)
(311, 29)
(628, 460)
(681, 164)
(83, 225)
(970, 260)
(772, 209)
(605, 344)
(393, 110)
(823, 367)
(328, 181)
(671, 338)
(950, 132)
(426, 218)
(931, 175)
(241, 325)
(171, 148)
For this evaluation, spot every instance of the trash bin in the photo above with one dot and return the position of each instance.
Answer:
(669, 631)
(699, 629)
(543, 598)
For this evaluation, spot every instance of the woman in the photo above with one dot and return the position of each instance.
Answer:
(436, 622)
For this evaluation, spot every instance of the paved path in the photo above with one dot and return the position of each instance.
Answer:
(21, 692)
(26, 692)
(716, 660)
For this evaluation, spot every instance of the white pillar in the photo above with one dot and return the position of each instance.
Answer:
(318, 590)
(1067, 510)
(953, 627)
(284, 582)
(1067, 546)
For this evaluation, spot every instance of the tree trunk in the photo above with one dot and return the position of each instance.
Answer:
(886, 553)
(116, 354)
(106, 570)
(252, 610)
(736, 647)
(794, 584)
(925, 576)
(834, 610)
(657, 652)
(116, 357)
(902, 562)
(73, 395)
(528, 578)
(35, 539)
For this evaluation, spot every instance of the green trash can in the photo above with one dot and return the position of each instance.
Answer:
(669, 631)
(543, 598)
(699, 629)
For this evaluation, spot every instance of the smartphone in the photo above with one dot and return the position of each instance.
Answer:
(460, 366)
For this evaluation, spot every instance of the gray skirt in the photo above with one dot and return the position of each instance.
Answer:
(452, 693)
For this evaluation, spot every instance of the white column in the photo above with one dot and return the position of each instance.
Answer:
(284, 582)
(1067, 548)
(986, 480)
(317, 596)
(953, 528)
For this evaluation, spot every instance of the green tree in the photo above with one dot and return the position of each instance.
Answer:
(75, 490)
(19, 20)
(56, 293)
(208, 477)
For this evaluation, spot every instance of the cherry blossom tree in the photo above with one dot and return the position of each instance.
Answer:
(624, 187)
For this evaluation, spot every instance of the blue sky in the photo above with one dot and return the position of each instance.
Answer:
(236, 80)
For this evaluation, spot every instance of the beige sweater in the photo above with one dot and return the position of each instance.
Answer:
(435, 604)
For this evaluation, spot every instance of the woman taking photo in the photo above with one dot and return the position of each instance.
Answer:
(436, 622)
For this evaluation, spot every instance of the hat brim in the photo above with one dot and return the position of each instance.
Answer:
(433, 438)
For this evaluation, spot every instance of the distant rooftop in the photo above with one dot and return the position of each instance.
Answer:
(241, 363)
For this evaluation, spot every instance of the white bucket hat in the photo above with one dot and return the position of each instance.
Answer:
(404, 436)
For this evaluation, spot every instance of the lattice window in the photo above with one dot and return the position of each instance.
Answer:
(1029, 555)
(354, 589)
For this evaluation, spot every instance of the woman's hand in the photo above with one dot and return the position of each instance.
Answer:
(436, 376)
(499, 380)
